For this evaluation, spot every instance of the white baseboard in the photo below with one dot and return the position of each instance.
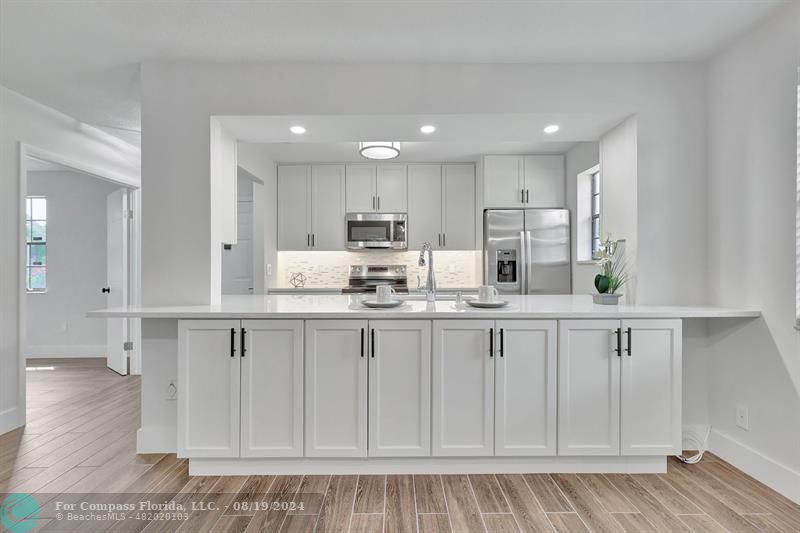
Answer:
(62, 350)
(156, 440)
(9, 420)
(775, 475)
(429, 465)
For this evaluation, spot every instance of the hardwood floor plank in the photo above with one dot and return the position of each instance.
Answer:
(674, 501)
(634, 522)
(433, 523)
(702, 523)
(609, 497)
(547, 492)
(585, 504)
(500, 523)
(282, 490)
(253, 491)
(221, 496)
(647, 504)
(367, 523)
(334, 516)
(370, 491)
(461, 504)
(429, 494)
(488, 494)
(567, 522)
(526, 509)
(299, 523)
(311, 493)
(400, 504)
(231, 524)
(722, 491)
(769, 523)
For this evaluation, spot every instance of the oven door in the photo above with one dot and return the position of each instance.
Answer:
(374, 230)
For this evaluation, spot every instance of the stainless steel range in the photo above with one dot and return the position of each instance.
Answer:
(364, 278)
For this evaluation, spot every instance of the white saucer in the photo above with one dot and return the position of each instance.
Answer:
(375, 304)
(487, 305)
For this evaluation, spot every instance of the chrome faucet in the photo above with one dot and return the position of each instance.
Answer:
(430, 285)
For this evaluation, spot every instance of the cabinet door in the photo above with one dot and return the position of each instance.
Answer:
(336, 388)
(294, 214)
(545, 181)
(458, 231)
(424, 206)
(361, 193)
(588, 387)
(392, 189)
(651, 387)
(463, 388)
(208, 388)
(525, 388)
(272, 388)
(327, 207)
(399, 388)
(502, 181)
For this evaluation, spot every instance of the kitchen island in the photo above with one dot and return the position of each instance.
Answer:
(320, 384)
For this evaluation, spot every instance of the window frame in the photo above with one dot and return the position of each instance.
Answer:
(30, 242)
(596, 212)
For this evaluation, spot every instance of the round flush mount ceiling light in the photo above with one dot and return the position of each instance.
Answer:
(297, 130)
(552, 128)
(428, 128)
(379, 149)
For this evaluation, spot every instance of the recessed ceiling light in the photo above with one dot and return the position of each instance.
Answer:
(297, 130)
(552, 128)
(428, 128)
(379, 149)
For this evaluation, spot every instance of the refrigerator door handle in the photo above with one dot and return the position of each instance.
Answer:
(523, 265)
(528, 262)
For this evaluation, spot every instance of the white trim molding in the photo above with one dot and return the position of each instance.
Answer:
(65, 350)
(775, 475)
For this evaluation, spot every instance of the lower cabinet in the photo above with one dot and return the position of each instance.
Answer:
(240, 388)
(619, 387)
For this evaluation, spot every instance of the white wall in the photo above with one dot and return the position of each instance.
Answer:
(751, 218)
(579, 158)
(26, 121)
(265, 213)
(223, 182)
(76, 267)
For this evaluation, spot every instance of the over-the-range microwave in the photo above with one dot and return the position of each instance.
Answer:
(376, 230)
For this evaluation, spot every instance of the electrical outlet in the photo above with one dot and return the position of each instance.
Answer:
(743, 417)
(172, 390)
(269, 269)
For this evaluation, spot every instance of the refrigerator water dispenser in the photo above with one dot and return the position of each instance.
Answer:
(506, 266)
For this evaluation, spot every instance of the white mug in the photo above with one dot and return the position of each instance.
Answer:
(384, 293)
(487, 293)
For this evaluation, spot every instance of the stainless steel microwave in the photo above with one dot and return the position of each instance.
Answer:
(376, 230)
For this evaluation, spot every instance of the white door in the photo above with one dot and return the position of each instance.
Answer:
(336, 388)
(327, 207)
(503, 181)
(545, 182)
(651, 387)
(116, 288)
(361, 194)
(208, 388)
(463, 387)
(237, 259)
(458, 184)
(399, 388)
(525, 387)
(294, 212)
(272, 388)
(424, 206)
(392, 189)
(588, 387)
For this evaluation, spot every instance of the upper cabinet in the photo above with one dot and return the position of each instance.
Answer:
(376, 189)
(311, 207)
(523, 181)
(441, 206)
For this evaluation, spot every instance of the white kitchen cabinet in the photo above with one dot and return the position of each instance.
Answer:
(336, 388)
(651, 387)
(294, 207)
(399, 388)
(458, 209)
(463, 388)
(503, 181)
(327, 207)
(588, 388)
(208, 388)
(392, 189)
(545, 184)
(272, 388)
(361, 188)
(424, 206)
(525, 387)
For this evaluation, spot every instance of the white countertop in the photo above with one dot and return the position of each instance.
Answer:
(348, 306)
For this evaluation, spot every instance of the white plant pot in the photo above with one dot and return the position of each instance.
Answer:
(606, 298)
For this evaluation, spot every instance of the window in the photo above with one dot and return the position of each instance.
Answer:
(594, 202)
(36, 243)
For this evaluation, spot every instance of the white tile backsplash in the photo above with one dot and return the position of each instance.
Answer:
(330, 269)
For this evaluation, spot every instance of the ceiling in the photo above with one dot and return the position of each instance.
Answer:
(82, 56)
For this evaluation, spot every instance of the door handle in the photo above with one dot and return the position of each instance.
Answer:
(502, 342)
(522, 196)
(491, 342)
(242, 349)
(372, 342)
(106, 290)
(440, 239)
(618, 349)
(308, 240)
(362, 342)
(628, 349)
(444, 240)
(313, 240)
(233, 342)
(373, 202)
(379, 203)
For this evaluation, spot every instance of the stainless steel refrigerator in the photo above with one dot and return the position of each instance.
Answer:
(527, 251)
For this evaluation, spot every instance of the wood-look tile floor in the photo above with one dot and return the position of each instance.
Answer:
(79, 439)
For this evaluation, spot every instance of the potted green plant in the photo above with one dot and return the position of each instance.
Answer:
(613, 273)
